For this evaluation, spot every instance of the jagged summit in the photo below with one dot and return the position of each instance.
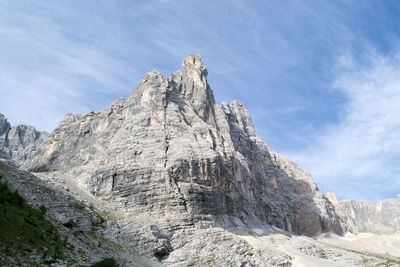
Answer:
(193, 65)
(154, 73)
(193, 61)
(186, 87)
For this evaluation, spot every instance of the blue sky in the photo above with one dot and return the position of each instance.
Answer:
(321, 79)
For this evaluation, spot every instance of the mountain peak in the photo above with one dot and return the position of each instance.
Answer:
(192, 66)
(192, 61)
(171, 150)
(18, 142)
(154, 72)
(4, 125)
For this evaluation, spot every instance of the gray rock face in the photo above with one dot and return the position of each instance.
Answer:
(85, 237)
(170, 152)
(18, 142)
(82, 235)
(381, 217)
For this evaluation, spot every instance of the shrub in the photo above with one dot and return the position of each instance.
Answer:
(42, 210)
(16, 199)
(70, 224)
(107, 262)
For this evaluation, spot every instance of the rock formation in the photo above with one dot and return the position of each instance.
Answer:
(381, 217)
(171, 148)
(79, 228)
(170, 151)
(186, 181)
(18, 142)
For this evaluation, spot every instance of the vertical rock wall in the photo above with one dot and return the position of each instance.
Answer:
(170, 151)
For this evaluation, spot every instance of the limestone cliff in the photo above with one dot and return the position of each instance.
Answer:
(67, 234)
(169, 151)
(18, 142)
(381, 217)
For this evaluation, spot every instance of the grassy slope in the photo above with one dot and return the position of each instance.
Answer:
(25, 233)
(30, 236)
(385, 260)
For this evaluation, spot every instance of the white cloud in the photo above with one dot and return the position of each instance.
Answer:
(359, 157)
(46, 72)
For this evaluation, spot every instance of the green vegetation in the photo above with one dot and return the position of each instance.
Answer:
(107, 262)
(105, 242)
(101, 221)
(389, 261)
(28, 238)
(24, 230)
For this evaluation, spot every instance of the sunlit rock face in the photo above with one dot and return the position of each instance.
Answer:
(18, 142)
(174, 160)
(381, 217)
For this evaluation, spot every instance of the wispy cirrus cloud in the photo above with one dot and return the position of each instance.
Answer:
(360, 157)
(46, 72)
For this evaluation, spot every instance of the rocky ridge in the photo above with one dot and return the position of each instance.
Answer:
(18, 142)
(381, 217)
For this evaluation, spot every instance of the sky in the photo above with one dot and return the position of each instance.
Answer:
(321, 79)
